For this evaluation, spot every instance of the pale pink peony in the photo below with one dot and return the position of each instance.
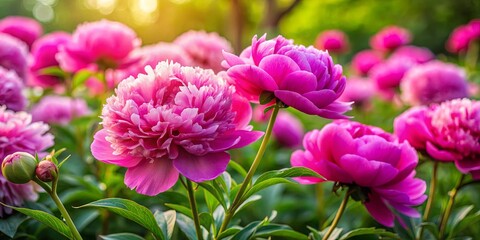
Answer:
(59, 110)
(388, 75)
(11, 87)
(462, 36)
(99, 45)
(358, 90)
(13, 55)
(390, 38)
(172, 120)
(414, 53)
(334, 41)
(434, 82)
(447, 132)
(25, 29)
(369, 161)
(365, 60)
(205, 49)
(300, 77)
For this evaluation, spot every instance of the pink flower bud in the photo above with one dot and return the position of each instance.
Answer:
(46, 171)
(19, 167)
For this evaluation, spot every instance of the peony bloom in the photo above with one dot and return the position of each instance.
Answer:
(388, 75)
(358, 90)
(365, 60)
(334, 41)
(303, 78)
(205, 49)
(13, 55)
(23, 28)
(19, 134)
(288, 130)
(434, 82)
(414, 53)
(43, 53)
(369, 160)
(462, 36)
(449, 131)
(172, 120)
(99, 45)
(11, 87)
(59, 110)
(390, 38)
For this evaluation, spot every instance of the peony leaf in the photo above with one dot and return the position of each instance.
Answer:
(247, 232)
(187, 226)
(181, 209)
(166, 222)
(53, 71)
(9, 225)
(215, 190)
(121, 236)
(278, 230)
(430, 227)
(468, 221)
(369, 231)
(80, 77)
(131, 210)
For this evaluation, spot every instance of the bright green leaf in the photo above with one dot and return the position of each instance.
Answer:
(468, 221)
(215, 191)
(180, 208)
(80, 77)
(166, 222)
(53, 71)
(369, 231)
(278, 230)
(121, 236)
(247, 232)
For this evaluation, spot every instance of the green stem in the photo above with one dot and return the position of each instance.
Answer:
(246, 182)
(448, 209)
(431, 195)
(193, 205)
(340, 211)
(471, 56)
(320, 203)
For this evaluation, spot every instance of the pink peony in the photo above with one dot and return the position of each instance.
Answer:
(172, 120)
(13, 55)
(388, 75)
(390, 38)
(365, 60)
(18, 133)
(334, 41)
(368, 160)
(23, 28)
(434, 82)
(288, 130)
(11, 87)
(449, 131)
(414, 53)
(358, 90)
(99, 45)
(43, 53)
(303, 78)
(462, 36)
(59, 110)
(205, 49)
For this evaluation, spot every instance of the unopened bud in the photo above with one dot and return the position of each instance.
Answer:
(46, 171)
(19, 167)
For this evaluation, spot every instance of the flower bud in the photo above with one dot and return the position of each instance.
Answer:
(46, 171)
(19, 167)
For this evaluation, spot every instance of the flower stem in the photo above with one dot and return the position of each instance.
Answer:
(431, 195)
(193, 205)
(448, 209)
(340, 211)
(246, 182)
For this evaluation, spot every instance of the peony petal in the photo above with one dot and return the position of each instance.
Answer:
(367, 173)
(231, 60)
(379, 210)
(440, 155)
(321, 98)
(152, 178)
(299, 81)
(201, 168)
(297, 101)
(379, 149)
(299, 159)
(278, 67)
(247, 137)
(251, 80)
(102, 150)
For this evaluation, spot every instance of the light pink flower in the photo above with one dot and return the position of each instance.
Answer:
(13, 55)
(414, 53)
(390, 38)
(369, 160)
(99, 45)
(288, 130)
(11, 87)
(25, 29)
(59, 110)
(358, 90)
(448, 132)
(434, 82)
(334, 41)
(388, 75)
(205, 49)
(172, 120)
(365, 60)
(303, 78)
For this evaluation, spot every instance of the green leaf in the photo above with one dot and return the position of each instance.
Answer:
(249, 201)
(45, 218)
(278, 230)
(215, 191)
(180, 208)
(53, 71)
(80, 77)
(84, 218)
(247, 232)
(460, 214)
(431, 227)
(238, 168)
(468, 221)
(229, 232)
(206, 219)
(369, 231)
(9, 226)
(266, 97)
(166, 222)
(121, 236)
(187, 226)
(131, 210)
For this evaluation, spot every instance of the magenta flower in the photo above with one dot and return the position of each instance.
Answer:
(13, 55)
(11, 87)
(434, 82)
(23, 28)
(99, 45)
(448, 132)
(172, 120)
(334, 41)
(59, 110)
(43, 53)
(462, 36)
(390, 38)
(414, 53)
(205, 49)
(303, 78)
(358, 90)
(288, 130)
(369, 160)
(388, 75)
(365, 60)
(19, 134)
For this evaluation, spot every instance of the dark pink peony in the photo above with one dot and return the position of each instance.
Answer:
(462, 36)
(434, 82)
(13, 55)
(59, 109)
(288, 130)
(388, 75)
(447, 132)
(365, 60)
(11, 87)
(414, 53)
(303, 78)
(334, 41)
(23, 28)
(205, 49)
(172, 120)
(390, 38)
(369, 160)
